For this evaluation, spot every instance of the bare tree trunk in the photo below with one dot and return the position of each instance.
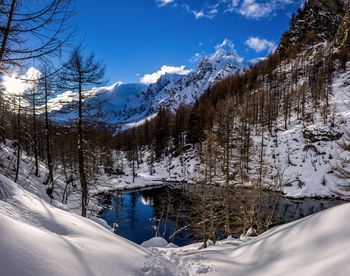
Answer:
(18, 139)
(133, 165)
(35, 138)
(47, 131)
(228, 230)
(83, 182)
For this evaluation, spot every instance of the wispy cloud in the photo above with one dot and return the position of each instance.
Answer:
(256, 60)
(166, 69)
(250, 9)
(260, 44)
(162, 3)
(208, 11)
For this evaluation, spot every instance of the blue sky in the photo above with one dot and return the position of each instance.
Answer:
(138, 37)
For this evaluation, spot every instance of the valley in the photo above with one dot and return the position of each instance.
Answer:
(232, 164)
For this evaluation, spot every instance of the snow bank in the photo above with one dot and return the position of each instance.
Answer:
(316, 245)
(155, 242)
(7, 188)
(38, 239)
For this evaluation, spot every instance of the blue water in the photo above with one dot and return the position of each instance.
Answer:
(141, 215)
(136, 219)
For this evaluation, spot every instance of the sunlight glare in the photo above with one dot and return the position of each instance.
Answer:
(14, 85)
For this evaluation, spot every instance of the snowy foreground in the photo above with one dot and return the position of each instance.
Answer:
(38, 239)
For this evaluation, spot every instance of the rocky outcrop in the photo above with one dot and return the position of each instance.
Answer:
(342, 38)
(317, 21)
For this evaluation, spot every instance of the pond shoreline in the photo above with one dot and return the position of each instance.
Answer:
(135, 213)
(147, 185)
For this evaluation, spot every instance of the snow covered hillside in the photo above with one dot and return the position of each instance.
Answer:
(308, 153)
(127, 104)
(39, 239)
(313, 246)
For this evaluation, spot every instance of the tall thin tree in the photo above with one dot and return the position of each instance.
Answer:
(80, 74)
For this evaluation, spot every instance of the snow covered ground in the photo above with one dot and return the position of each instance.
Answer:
(307, 154)
(39, 239)
(315, 245)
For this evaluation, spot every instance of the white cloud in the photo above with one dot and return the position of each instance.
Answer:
(234, 3)
(260, 44)
(198, 14)
(152, 78)
(162, 3)
(256, 9)
(207, 11)
(32, 76)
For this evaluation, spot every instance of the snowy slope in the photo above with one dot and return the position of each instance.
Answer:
(316, 245)
(307, 154)
(38, 239)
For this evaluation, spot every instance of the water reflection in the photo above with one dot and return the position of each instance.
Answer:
(174, 213)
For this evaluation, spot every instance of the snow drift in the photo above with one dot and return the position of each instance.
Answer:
(38, 239)
(316, 245)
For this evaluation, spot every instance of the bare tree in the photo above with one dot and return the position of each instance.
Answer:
(342, 168)
(81, 74)
(32, 30)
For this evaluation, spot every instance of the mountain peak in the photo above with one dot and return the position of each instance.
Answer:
(226, 53)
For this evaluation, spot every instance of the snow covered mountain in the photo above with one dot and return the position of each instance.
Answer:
(118, 102)
(127, 104)
(187, 89)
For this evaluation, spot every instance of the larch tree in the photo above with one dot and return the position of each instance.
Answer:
(33, 97)
(47, 85)
(80, 74)
(32, 30)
